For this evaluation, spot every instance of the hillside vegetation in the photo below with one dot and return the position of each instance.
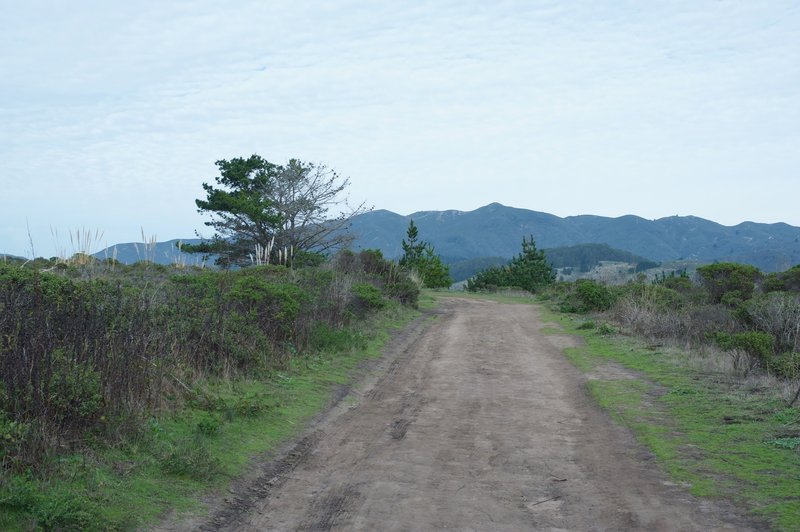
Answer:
(116, 376)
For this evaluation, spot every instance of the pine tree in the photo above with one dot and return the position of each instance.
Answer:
(420, 255)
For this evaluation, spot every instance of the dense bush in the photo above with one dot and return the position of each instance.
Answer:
(729, 283)
(97, 354)
(757, 323)
(529, 271)
(777, 313)
(787, 281)
(592, 295)
(366, 297)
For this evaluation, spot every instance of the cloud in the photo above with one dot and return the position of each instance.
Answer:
(114, 113)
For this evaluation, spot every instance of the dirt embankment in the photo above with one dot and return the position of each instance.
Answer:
(476, 422)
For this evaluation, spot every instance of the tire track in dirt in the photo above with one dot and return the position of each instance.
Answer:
(476, 423)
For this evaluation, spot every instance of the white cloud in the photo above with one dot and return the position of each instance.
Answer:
(113, 114)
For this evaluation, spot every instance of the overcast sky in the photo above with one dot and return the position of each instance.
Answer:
(113, 113)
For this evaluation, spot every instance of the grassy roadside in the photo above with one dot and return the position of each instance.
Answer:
(201, 447)
(720, 436)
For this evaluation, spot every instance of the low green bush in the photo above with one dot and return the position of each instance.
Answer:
(761, 345)
(729, 282)
(367, 297)
(593, 295)
(785, 365)
(403, 290)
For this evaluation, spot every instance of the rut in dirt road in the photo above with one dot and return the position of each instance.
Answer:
(479, 424)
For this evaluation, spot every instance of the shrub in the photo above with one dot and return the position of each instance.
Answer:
(606, 329)
(592, 295)
(403, 290)
(76, 353)
(758, 344)
(787, 281)
(367, 297)
(736, 281)
(785, 365)
(208, 426)
(529, 271)
(66, 510)
(777, 313)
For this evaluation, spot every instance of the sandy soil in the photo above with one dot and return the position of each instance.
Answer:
(474, 422)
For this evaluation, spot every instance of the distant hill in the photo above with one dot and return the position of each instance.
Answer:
(494, 233)
(586, 256)
(497, 231)
(159, 252)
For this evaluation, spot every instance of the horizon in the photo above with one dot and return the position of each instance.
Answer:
(99, 247)
(113, 114)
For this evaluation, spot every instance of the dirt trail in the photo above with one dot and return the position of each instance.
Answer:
(477, 423)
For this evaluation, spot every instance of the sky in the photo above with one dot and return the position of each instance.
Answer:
(112, 114)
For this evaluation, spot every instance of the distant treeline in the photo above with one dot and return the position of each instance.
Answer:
(587, 256)
(582, 257)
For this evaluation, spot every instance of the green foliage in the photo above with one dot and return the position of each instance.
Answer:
(135, 368)
(581, 296)
(708, 432)
(529, 271)
(777, 313)
(367, 296)
(327, 339)
(208, 426)
(49, 507)
(758, 344)
(270, 207)
(464, 269)
(87, 359)
(592, 295)
(12, 435)
(785, 365)
(787, 281)
(420, 256)
(679, 281)
(790, 443)
(244, 213)
(308, 259)
(606, 329)
(75, 390)
(190, 459)
(403, 290)
(729, 283)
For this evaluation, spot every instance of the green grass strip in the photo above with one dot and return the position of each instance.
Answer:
(719, 437)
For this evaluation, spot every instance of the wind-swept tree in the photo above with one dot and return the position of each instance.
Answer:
(305, 194)
(258, 205)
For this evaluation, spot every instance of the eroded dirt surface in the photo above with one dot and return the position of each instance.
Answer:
(477, 423)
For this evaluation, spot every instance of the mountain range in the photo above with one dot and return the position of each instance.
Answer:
(496, 231)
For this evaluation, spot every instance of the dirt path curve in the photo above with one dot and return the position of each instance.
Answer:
(479, 424)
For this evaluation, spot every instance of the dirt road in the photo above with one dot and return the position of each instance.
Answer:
(477, 422)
